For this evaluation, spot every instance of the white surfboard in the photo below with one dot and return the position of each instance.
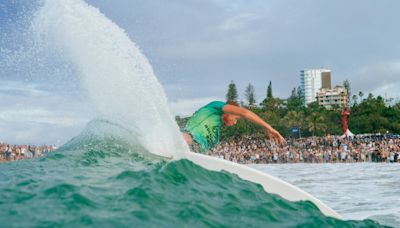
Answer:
(270, 184)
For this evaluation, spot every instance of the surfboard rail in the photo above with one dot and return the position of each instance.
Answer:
(270, 183)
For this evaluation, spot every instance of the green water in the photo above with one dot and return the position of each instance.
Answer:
(110, 183)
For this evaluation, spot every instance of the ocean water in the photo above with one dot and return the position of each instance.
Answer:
(356, 191)
(102, 180)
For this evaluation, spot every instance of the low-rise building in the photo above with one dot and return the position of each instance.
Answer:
(330, 98)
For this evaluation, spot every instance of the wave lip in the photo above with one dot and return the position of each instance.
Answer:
(114, 73)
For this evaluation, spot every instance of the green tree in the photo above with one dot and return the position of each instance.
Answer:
(361, 95)
(274, 119)
(293, 119)
(295, 101)
(346, 85)
(232, 94)
(333, 121)
(273, 103)
(250, 95)
(300, 94)
(354, 98)
(316, 123)
(269, 90)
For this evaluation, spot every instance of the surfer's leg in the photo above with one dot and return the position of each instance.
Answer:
(193, 145)
(188, 138)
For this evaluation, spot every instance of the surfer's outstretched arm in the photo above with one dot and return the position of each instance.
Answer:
(251, 116)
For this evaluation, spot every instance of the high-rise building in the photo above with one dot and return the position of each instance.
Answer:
(326, 79)
(312, 80)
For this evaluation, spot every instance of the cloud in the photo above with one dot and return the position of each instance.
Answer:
(380, 78)
(238, 22)
(17, 88)
(186, 107)
(388, 91)
(44, 116)
(30, 114)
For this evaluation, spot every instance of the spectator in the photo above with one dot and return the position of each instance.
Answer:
(13, 152)
(330, 149)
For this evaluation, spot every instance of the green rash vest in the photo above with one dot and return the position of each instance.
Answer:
(205, 124)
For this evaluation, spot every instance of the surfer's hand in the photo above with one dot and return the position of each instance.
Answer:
(274, 134)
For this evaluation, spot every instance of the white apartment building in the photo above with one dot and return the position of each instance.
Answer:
(336, 97)
(312, 80)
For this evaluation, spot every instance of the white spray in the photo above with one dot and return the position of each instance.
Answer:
(117, 76)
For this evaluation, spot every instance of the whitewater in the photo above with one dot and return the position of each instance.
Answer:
(114, 73)
(118, 171)
(355, 190)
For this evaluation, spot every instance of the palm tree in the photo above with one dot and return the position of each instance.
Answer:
(294, 119)
(354, 99)
(316, 122)
(361, 94)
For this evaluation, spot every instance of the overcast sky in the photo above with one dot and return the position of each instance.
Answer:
(197, 47)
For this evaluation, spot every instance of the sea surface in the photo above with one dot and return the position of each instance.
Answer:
(101, 180)
(355, 190)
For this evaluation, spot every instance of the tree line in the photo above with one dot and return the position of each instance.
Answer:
(370, 114)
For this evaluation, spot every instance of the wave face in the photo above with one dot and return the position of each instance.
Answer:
(108, 181)
(115, 74)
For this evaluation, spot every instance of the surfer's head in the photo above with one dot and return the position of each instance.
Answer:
(230, 119)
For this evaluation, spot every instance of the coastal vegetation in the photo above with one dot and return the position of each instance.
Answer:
(369, 114)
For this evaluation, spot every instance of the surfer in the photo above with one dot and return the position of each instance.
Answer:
(202, 130)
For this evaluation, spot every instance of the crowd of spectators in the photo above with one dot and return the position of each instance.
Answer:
(18, 152)
(329, 149)
(249, 150)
